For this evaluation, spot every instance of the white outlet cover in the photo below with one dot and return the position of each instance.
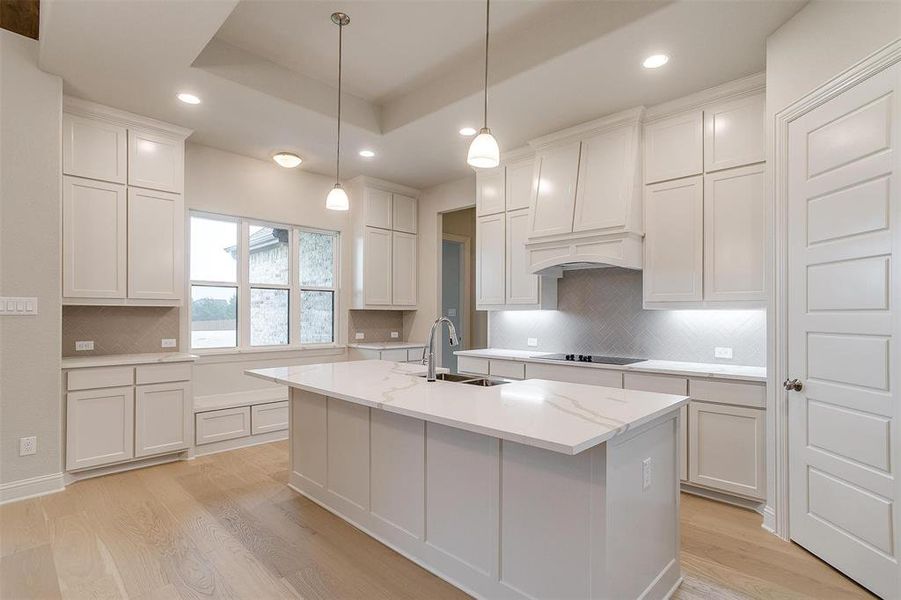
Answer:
(533, 342)
(451, 312)
(360, 336)
(84, 345)
(646, 473)
(168, 342)
(394, 335)
(722, 352)
(28, 446)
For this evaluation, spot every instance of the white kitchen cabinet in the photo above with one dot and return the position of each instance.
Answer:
(94, 239)
(156, 234)
(377, 208)
(220, 425)
(156, 161)
(735, 234)
(727, 448)
(674, 147)
(404, 211)
(403, 269)
(554, 193)
(734, 133)
(674, 222)
(377, 266)
(607, 181)
(490, 191)
(522, 286)
(272, 416)
(518, 189)
(163, 418)
(99, 427)
(94, 149)
(490, 259)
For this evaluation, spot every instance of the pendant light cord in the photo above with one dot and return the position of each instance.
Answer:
(487, 30)
(338, 152)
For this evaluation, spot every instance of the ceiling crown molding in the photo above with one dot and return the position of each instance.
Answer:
(732, 90)
(631, 116)
(381, 184)
(85, 108)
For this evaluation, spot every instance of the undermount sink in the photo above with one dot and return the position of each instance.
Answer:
(468, 379)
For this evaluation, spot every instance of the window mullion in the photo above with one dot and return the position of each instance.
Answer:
(243, 285)
(294, 294)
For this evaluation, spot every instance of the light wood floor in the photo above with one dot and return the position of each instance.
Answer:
(225, 526)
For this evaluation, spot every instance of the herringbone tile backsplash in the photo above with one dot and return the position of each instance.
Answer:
(119, 329)
(599, 312)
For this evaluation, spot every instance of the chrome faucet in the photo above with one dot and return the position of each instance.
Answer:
(428, 353)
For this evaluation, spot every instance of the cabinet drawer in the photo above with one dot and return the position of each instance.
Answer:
(507, 368)
(586, 375)
(87, 379)
(163, 373)
(728, 392)
(226, 424)
(399, 355)
(269, 417)
(414, 354)
(472, 364)
(663, 384)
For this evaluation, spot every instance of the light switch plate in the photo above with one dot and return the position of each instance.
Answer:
(84, 345)
(394, 335)
(533, 342)
(360, 336)
(168, 342)
(722, 352)
(18, 306)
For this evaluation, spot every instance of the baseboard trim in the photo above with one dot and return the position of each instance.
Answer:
(31, 488)
(244, 442)
(769, 520)
(755, 505)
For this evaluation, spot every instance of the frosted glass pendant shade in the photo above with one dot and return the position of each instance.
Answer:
(484, 152)
(337, 199)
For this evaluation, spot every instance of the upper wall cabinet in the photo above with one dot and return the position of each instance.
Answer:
(734, 133)
(518, 190)
(404, 212)
(490, 191)
(377, 208)
(123, 211)
(607, 182)
(674, 147)
(554, 196)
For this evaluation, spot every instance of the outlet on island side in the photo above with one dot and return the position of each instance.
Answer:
(646, 473)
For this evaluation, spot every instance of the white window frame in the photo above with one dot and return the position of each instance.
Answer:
(244, 286)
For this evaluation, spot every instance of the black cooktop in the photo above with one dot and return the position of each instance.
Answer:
(592, 358)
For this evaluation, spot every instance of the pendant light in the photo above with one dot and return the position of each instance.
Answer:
(484, 152)
(337, 197)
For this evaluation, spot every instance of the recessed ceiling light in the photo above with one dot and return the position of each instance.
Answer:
(655, 60)
(467, 131)
(287, 159)
(367, 153)
(188, 98)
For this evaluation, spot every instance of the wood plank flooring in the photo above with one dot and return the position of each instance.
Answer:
(226, 526)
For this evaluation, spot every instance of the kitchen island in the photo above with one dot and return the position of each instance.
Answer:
(528, 489)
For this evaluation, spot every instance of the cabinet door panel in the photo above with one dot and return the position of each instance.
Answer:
(377, 208)
(404, 213)
(519, 184)
(377, 266)
(155, 162)
(673, 259)
(94, 149)
(156, 233)
(163, 415)
(734, 133)
(522, 286)
(734, 234)
(94, 239)
(606, 181)
(490, 192)
(490, 260)
(554, 196)
(403, 269)
(727, 448)
(674, 147)
(99, 427)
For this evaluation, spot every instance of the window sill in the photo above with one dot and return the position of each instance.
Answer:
(224, 355)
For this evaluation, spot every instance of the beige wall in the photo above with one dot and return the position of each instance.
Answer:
(30, 142)
(463, 223)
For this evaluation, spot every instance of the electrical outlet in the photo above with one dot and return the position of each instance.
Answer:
(28, 446)
(360, 336)
(532, 342)
(168, 343)
(646, 473)
(394, 335)
(722, 352)
(85, 345)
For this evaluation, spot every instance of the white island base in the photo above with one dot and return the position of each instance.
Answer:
(497, 518)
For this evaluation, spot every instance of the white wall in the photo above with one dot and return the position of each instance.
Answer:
(30, 149)
(819, 42)
(222, 182)
(445, 197)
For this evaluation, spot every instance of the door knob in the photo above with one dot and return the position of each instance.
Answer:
(793, 385)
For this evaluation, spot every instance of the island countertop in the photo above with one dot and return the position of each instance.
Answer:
(554, 415)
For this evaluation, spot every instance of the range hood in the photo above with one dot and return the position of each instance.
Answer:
(586, 197)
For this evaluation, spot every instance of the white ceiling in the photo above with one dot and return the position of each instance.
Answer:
(266, 70)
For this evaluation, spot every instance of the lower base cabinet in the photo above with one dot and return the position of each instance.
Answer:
(99, 427)
(162, 418)
(240, 422)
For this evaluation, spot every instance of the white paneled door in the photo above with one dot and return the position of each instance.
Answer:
(843, 221)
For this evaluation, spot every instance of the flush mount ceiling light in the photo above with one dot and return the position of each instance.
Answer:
(289, 160)
(337, 198)
(655, 61)
(188, 98)
(483, 151)
(367, 153)
(468, 131)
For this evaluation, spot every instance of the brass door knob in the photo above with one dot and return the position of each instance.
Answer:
(793, 385)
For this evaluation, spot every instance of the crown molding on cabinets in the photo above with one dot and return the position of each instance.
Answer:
(84, 108)
(518, 154)
(633, 116)
(740, 88)
(364, 181)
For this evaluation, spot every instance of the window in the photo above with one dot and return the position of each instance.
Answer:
(245, 291)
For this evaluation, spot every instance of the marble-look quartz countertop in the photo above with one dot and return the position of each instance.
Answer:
(386, 345)
(554, 415)
(109, 360)
(669, 367)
